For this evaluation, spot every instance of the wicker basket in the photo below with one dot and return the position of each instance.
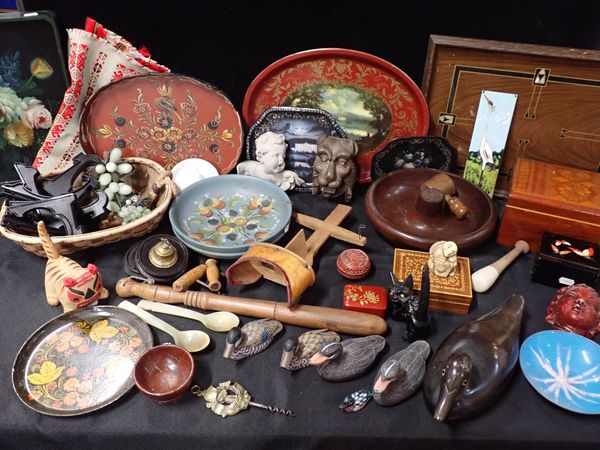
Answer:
(146, 173)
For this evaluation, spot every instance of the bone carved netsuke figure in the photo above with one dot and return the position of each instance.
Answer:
(270, 162)
(334, 172)
(443, 258)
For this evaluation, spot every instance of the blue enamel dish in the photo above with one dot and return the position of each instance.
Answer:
(221, 216)
(564, 368)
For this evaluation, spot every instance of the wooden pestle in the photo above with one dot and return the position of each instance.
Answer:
(187, 279)
(485, 277)
(339, 320)
(212, 275)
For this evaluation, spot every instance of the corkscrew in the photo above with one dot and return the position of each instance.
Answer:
(229, 398)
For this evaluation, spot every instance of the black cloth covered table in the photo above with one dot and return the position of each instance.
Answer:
(520, 419)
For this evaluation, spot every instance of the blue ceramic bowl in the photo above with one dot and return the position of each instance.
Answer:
(564, 368)
(220, 216)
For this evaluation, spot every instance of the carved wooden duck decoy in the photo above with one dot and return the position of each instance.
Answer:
(348, 359)
(297, 351)
(473, 365)
(251, 339)
(401, 374)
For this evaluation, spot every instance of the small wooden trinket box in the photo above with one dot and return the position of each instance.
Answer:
(564, 261)
(367, 299)
(552, 198)
(451, 294)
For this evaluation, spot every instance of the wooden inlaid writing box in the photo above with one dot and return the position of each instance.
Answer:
(558, 99)
(552, 198)
(452, 294)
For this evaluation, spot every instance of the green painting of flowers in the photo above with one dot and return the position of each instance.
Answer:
(24, 119)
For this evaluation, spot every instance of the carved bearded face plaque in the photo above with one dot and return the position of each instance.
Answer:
(334, 172)
(575, 309)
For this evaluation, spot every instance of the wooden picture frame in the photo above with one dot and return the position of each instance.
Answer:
(559, 97)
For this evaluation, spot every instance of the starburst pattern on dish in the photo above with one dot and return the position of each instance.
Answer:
(560, 381)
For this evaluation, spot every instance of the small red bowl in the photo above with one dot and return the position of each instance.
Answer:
(164, 372)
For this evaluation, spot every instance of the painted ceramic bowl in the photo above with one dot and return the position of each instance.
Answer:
(164, 373)
(221, 216)
(564, 368)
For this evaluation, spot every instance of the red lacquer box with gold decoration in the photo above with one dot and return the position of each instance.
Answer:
(367, 299)
(552, 198)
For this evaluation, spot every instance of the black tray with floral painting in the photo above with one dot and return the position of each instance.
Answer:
(33, 80)
(80, 361)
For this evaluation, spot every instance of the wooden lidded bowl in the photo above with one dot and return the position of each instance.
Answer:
(390, 204)
(164, 372)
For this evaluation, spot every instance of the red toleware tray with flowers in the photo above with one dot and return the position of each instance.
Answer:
(163, 117)
(372, 100)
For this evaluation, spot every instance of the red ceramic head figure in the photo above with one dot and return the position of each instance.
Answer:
(575, 309)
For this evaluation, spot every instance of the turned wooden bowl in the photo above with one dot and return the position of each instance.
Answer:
(164, 372)
(390, 205)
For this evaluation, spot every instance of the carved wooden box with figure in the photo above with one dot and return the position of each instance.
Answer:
(451, 294)
(552, 198)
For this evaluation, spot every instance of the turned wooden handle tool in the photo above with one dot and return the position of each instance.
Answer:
(456, 206)
(339, 320)
(485, 277)
(189, 278)
(212, 275)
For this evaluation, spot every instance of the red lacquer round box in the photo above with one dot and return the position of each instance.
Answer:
(353, 264)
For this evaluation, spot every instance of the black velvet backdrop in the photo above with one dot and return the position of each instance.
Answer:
(227, 44)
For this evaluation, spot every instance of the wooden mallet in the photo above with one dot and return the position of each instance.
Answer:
(484, 278)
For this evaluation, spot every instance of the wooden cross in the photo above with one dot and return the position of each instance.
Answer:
(323, 229)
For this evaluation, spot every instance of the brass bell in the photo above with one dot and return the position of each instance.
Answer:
(163, 254)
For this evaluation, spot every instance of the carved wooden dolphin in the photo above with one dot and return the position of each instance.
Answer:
(474, 363)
